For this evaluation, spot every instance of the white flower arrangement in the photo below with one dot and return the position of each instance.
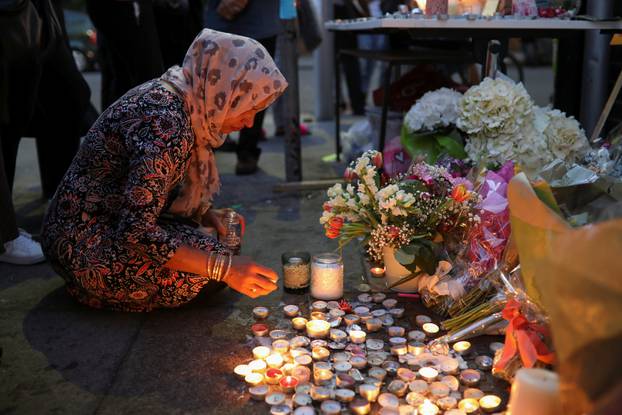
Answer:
(434, 110)
(565, 138)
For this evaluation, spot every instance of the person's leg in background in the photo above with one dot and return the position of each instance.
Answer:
(351, 66)
(16, 246)
(248, 150)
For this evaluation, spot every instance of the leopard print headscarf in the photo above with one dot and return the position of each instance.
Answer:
(222, 76)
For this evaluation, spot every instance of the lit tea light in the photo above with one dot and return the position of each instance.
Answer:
(291, 310)
(357, 336)
(320, 353)
(257, 365)
(258, 392)
(351, 319)
(287, 368)
(490, 403)
(302, 373)
(447, 403)
(422, 319)
(360, 406)
(260, 312)
(319, 305)
(358, 362)
(439, 390)
(275, 360)
(259, 329)
(462, 347)
(416, 348)
(429, 374)
(399, 349)
(318, 329)
(470, 377)
(377, 272)
(273, 376)
(369, 391)
(398, 387)
(427, 408)
(261, 352)
(297, 351)
(330, 407)
(396, 331)
(254, 379)
(344, 395)
(469, 405)
(322, 373)
(303, 360)
(373, 324)
(280, 346)
(299, 323)
(338, 335)
(430, 329)
(318, 315)
(242, 371)
(288, 383)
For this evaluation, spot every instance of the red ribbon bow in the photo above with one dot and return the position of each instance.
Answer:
(524, 337)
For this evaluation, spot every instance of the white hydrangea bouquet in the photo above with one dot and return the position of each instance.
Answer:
(428, 126)
(413, 213)
(503, 123)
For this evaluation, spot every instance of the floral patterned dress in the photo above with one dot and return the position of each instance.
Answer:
(104, 232)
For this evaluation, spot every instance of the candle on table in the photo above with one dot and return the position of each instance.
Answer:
(254, 379)
(360, 406)
(288, 383)
(258, 392)
(260, 312)
(280, 346)
(422, 319)
(439, 390)
(399, 349)
(318, 315)
(378, 297)
(275, 398)
(342, 366)
(351, 319)
(469, 405)
(489, 403)
(294, 352)
(419, 386)
(291, 310)
(416, 335)
(281, 409)
(327, 277)
(318, 329)
(377, 373)
(257, 365)
(320, 393)
(299, 341)
(462, 347)
(273, 376)
(373, 324)
(392, 367)
(357, 336)
(377, 272)
(535, 392)
(427, 408)
(299, 323)
(261, 352)
(365, 298)
(389, 303)
(242, 370)
(416, 348)
(322, 373)
(415, 399)
(287, 368)
(278, 334)
(344, 381)
(369, 391)
(302, 373)
(259, 329)
(319, 305)
(396, 331)
(302, 399)
(275, 360)
(451, 381)
(320, 353)
(319, 343)
(430, 329)
(484, 362)
(406, 375)
(450, 366)
(358, 362)
(429, 374)
(304, 410)
(397, 312)
(338, 335)
(473, 393)
(388, 400)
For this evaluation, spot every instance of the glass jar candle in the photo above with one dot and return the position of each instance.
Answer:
(327, 277)
(296, 272)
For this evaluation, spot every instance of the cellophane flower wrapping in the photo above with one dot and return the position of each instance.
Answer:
(575, 275)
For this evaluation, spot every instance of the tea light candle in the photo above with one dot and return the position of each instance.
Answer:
(535, 392)
(330, 407)
(469, 405)
(420, 386)
(304, 388)
(416, 348)
(387, 320)
(278, 334)
(356, 375)
(291, 310)
(427, 408)
(299, 323)
(319, 393)
(389, 303)
(273, 376)
(470, 377)
(450, 366)
(415, 399)
(392, 367)
(369, 391)
(320, 353)
(351, 319)
(455, 411)
(297, 351)
(257, 365)
(361, 310)
(358, 362)
(287, 368)
(282, 409)
(375, 344)
(242, 370)
(422, 319)
(342, 366)
(319, 305)
(430, 329)
(338, 335)
(377, 272)
(429, 374)
(303, 360)
(327, 277)
(373, 324)
(260, 312)
(335, 312)
(344, 395)
(397, 312)
(447, 403)
(318, 315)
(489, 403)
(344, 381)
(275, 398)
(319, 343)
(357, 336)
(299, 341)
(259, 329)
(451, 381)
(396, 331)
(302, 373)
(254, 379)
(280, 346)
(416, 335)
(365, 298)
(462, 347)
(302, 399)
(406, 375)
(439, 390)
(322, 373)
(399, 349)
(398, 387)
(473, 393)
(377, 373)
(288, 383)
(340, 357)
(388, 400)
(275, 360)
(334, 321)
(379, 297)
(360, 406)
(317, 329)
(258, 392)
(379, 313)
(484, 362)
(494, 346)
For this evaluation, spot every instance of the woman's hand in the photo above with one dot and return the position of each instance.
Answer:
(250, 278)
(215, 218)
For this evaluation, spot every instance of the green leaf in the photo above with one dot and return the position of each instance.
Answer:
(420, 145)
(451, 146)
(403, 257)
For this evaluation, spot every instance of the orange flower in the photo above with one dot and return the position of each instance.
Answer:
(377, 160)
(460, 193)
(336, 223)
(332, 233)
(349, 174)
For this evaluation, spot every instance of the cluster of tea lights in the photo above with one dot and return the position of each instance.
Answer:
(361, 362)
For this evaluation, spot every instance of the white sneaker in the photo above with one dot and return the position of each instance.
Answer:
(22, 250)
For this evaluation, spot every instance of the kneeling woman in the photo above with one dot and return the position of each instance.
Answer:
(148, 156)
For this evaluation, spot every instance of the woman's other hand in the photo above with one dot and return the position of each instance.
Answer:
(250, 278)
(215, 218)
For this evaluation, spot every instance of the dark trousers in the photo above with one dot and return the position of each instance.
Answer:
(249, 137)
(177, 28)
(130, 52)
(8, 225)
(351, 65)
